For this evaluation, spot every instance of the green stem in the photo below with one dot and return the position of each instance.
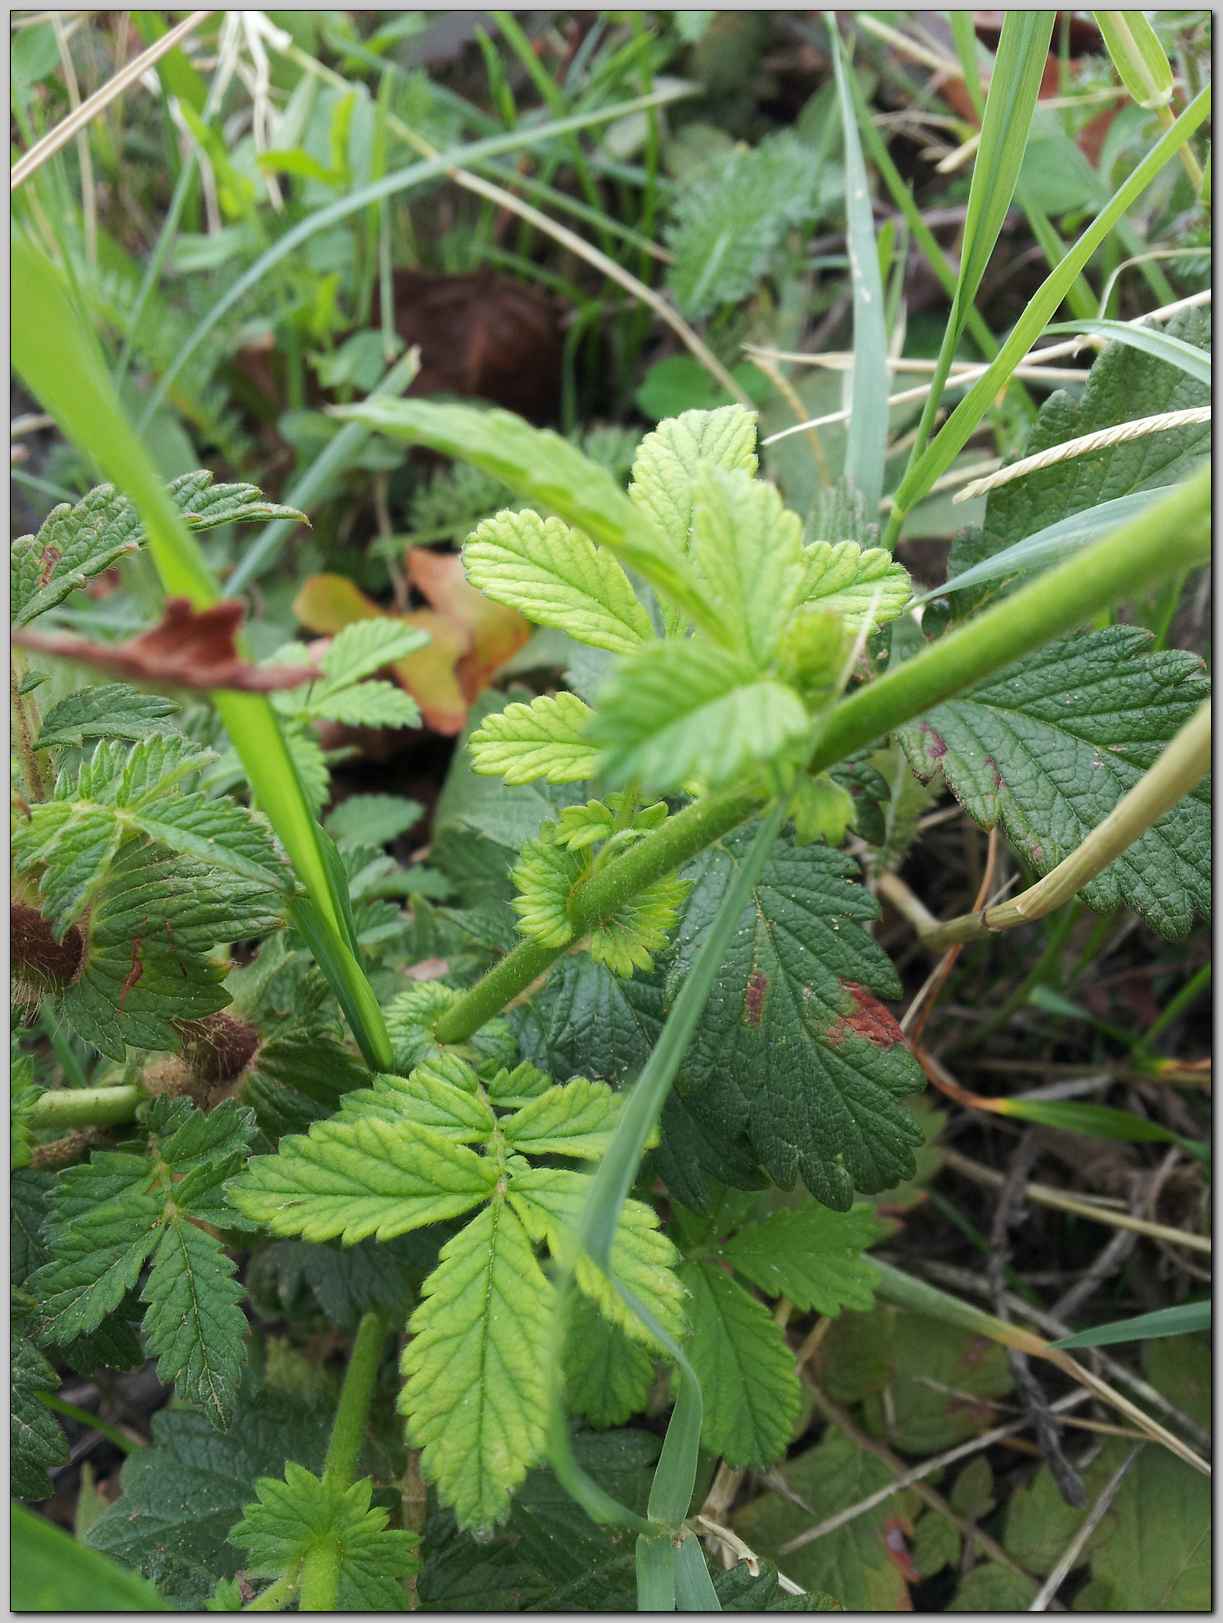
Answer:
(276, 1596)
(352, 1415)
(1188, 995)
(1169, 536)
(320, 1573)
(85, 1107)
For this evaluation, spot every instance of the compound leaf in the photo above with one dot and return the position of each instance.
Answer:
(356, 1178)
(475, 1369)
(1048, 747)
(544, 739)
(810, 1255)
(557, 577)
(749, 1382)
(669, 463)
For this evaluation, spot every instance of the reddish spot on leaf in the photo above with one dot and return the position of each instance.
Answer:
(50, 557)
(190, 649)
(753, 997)
(134, 974)
(937, 747)
(989, 761)
(869, 1019)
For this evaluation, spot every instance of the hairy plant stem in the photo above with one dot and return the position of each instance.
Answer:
(24, 731)
(86, 1107)
(1163, 539)
(320, 1576)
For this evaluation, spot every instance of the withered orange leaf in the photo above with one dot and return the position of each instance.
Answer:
(190, 648)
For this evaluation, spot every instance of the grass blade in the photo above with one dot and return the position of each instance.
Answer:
(953, 436)
(1191, 360)
(655, 1573)
(694, 1591)
(1023, 50)
(1182, 1320)
(52, 354)
(868, 424)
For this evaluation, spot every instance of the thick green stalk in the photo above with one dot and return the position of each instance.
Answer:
(320, 1574)
(64, 1108)
(1169, 536)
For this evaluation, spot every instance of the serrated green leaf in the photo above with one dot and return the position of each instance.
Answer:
(810, 1255)
(823, 810)
(367, 704)
(550, 1202)
(429, 1097)
(577, 1119)
(350, 1179)
(84, 841)
(78, 542)
(510, 1088)
(748, 1379)
(730, 220)
(36, 1442)
(218, 832)
(372, 819)
(301, 1512)
(110, 710)
(862, 585)
(544, 876)
(794, 1053)
(747, 550)
(181, 1496)
(297, 1280)
(365, 647)
(95, 1264)
(933, 1372)
(682, 708)
(475, 1390)
(1048, 747)
(642, 925)
(669, 462)
(544, 739)
(608, 1375)
(195, 1323)
(556, 576)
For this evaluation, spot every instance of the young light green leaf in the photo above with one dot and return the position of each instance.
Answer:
(577, 1119)
(544, 739)
(544, 876)
(475, 1368)
(746, 1370)
(862, 585)
(1048, 748)
(365, 704)
(428, 1096)
(541, 467)
(367, 646)
(296, 1515)
(667, 466)
(747, 550)
(627, 939)
(550, 1202)
(195, 1323)
(812, 1256)
(556, 576)
(349, 1179)
(679, 709)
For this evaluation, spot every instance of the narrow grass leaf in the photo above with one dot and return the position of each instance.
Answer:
(1162, 345)
(1183, 1320)
(868, 422)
